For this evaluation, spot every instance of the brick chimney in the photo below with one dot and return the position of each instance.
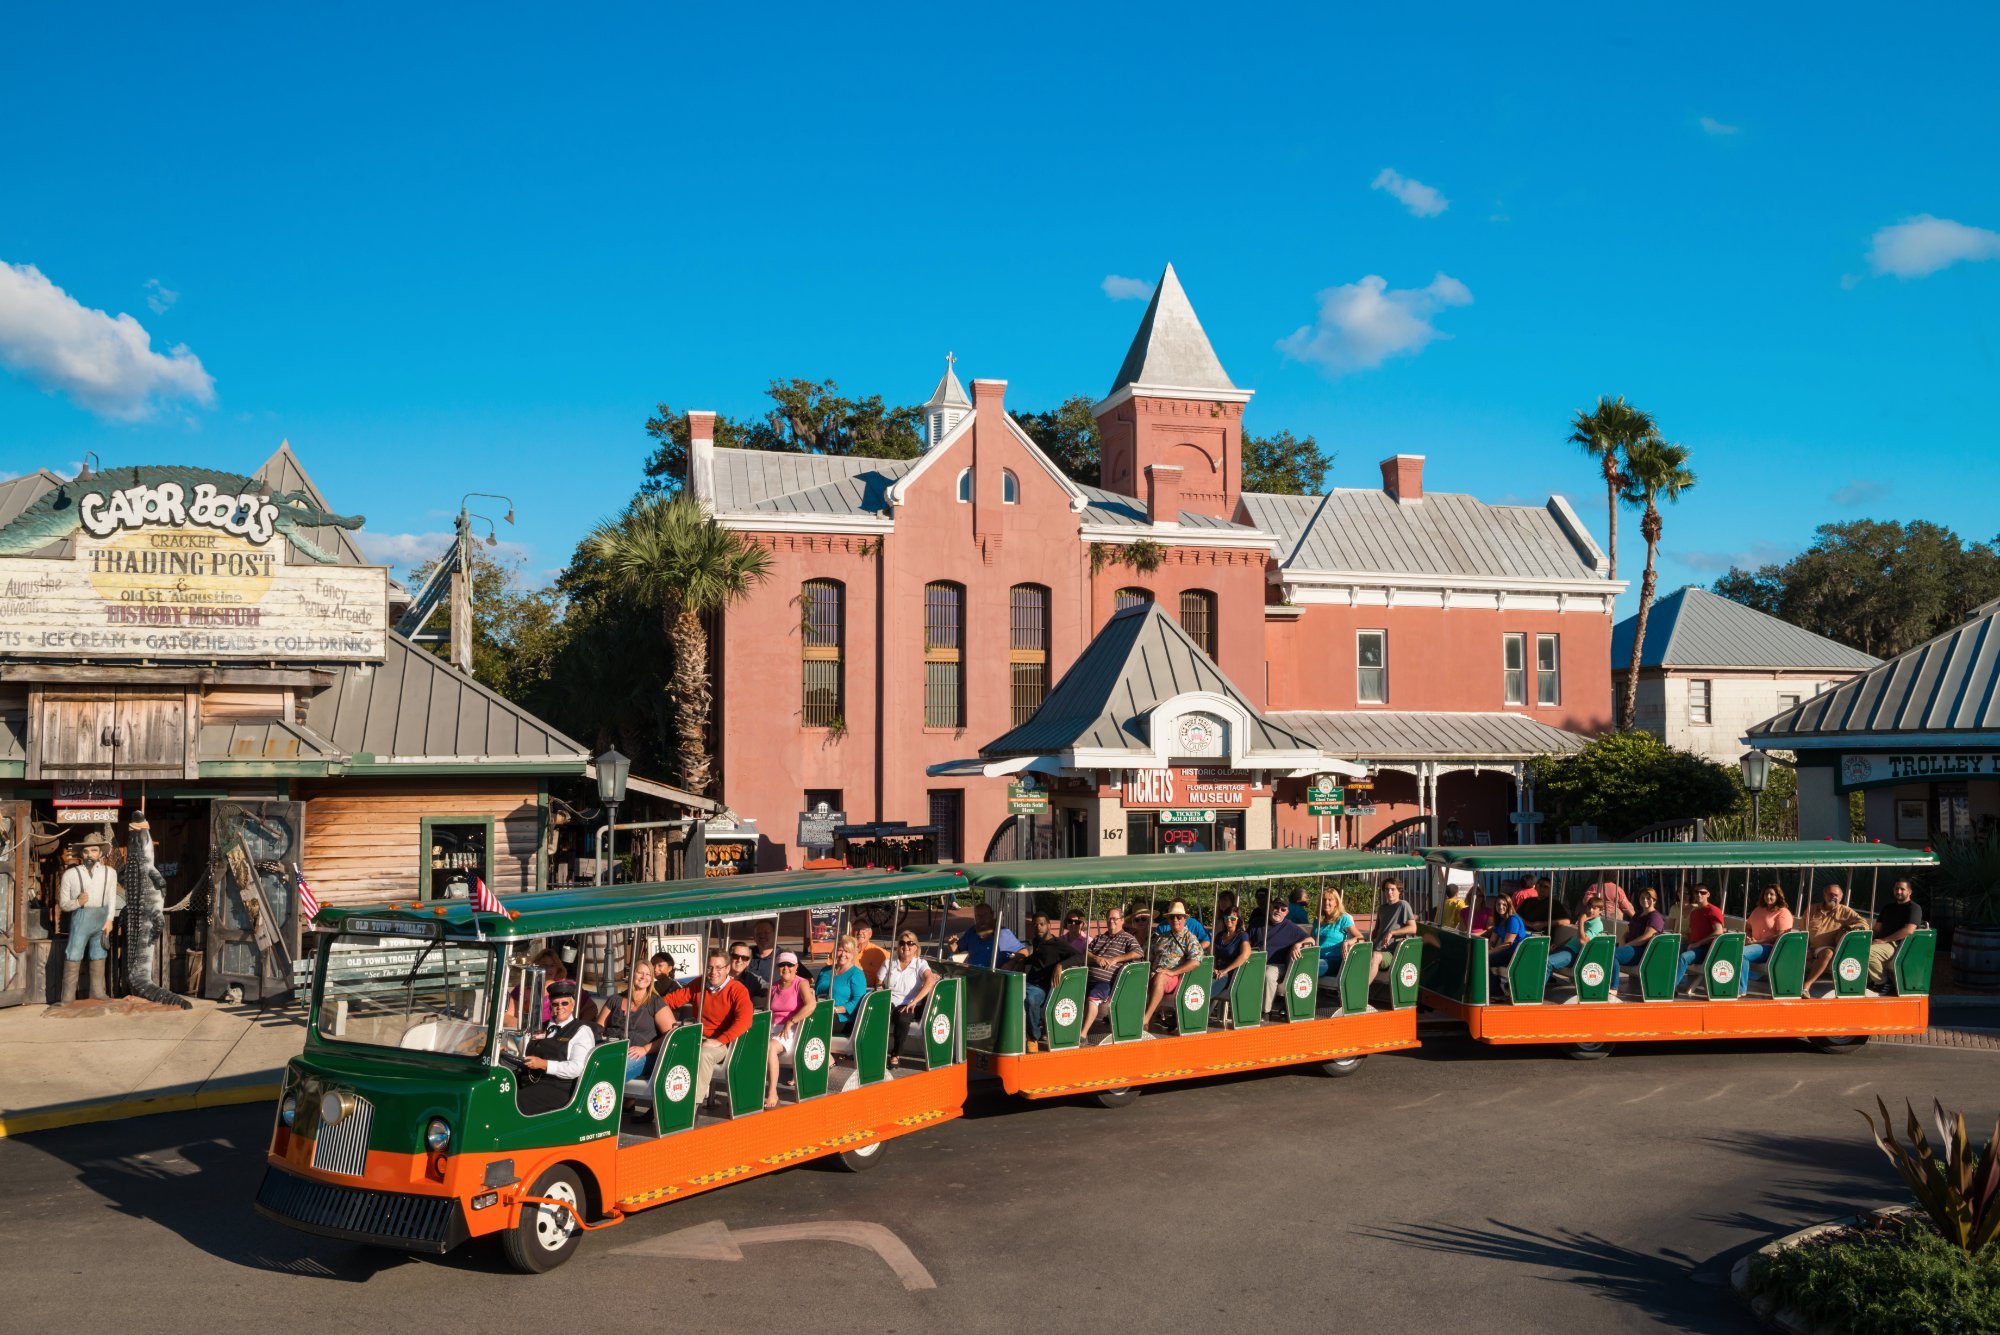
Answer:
(701, 456)
(988, 391)
(1163, 493)
(1403, 476)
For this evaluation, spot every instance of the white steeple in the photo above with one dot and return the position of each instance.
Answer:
(1171, 351)
(948, 406)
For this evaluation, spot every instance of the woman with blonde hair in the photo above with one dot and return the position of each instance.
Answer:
(843, 984)
(1333, 932)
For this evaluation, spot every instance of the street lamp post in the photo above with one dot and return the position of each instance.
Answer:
(612, 771)
(1756, 776)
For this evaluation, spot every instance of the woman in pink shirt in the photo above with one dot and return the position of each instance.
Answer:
(791, 1002)
(1771, 919)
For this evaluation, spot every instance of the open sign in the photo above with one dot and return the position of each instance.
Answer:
(1180, 835)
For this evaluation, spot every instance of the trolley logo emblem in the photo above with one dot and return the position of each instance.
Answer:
(1196, 998)
(1408, 974)
(1302, 986)
(1850, 969)
(678, 1084)
(603, 1100)
(1723, 971)
(815, 1054)
(1592, 974)
(941, 1029)
(1065, 1012)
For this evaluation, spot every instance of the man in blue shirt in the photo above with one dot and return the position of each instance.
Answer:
(980, 947)
(1278, 937)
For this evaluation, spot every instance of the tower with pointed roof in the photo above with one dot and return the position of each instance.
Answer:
(947, 406)
(1174, 406)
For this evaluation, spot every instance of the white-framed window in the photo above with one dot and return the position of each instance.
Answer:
(965, 485)
(1700, 702)
(1010, 487)
(1548, 670)
(1371, 660)
(1514, 668)
(1787, 702)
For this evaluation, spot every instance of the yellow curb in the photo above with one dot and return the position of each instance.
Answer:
(114, 1110)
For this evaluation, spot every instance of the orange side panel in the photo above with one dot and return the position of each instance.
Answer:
(688, 1162)
(1043, 1075)
(1689, 1018)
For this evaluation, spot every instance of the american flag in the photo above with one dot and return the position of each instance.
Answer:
(308, 901)
(484, 900)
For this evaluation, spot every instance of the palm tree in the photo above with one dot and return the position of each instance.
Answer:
(1655, 471)
(1606, 433)
(664, 552)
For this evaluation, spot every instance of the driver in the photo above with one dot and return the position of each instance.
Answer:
(558, 1053)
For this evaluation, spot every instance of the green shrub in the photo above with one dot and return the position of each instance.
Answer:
(1899, 1278)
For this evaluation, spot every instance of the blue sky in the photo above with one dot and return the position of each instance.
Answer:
(444, 250)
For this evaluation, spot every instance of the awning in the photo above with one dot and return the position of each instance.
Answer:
(666, 792)
(1672, 855)
(1380, 734)
(1142, 869)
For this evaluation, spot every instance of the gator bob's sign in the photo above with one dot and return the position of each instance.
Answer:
(184, 570)
(1869, 771)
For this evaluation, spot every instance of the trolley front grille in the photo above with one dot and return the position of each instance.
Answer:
(344, 1148)
(387, 1218)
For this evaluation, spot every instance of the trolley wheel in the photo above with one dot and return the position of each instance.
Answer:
(1340, 1066)
(1837, 1042)
(546, 1235)
(1585, 1052)
(862, 1157)
(1116, 1098)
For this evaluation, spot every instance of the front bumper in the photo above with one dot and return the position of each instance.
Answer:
(359, 1214)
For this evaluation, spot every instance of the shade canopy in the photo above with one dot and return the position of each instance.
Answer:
(1680, 856)
(1145, 869)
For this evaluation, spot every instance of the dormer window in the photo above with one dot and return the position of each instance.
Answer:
(1010, 487)
(965, 485)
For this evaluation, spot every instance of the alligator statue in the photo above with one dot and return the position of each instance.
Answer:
(58, 513)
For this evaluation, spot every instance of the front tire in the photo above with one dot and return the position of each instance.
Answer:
(1837, 1042)
(862, 1157)
(546, 1235)
(1340, 1066)
(1116, 1098)
(1585, 1052)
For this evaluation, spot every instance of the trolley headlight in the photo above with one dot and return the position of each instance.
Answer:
(288, 1109)
(334, 1106)
(437, 1136)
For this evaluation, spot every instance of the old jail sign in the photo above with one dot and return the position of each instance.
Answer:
(1870, 771)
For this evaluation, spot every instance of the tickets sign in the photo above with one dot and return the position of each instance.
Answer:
(1184, 786)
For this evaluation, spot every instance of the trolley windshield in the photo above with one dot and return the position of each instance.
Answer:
(408, 993)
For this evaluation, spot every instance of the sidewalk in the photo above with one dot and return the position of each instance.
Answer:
(100, 1063)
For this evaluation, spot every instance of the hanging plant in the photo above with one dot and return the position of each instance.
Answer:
(1145, 556)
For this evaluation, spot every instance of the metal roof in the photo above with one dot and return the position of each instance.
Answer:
(1148, 869)
(1443, 534)
(1375, 734)
(1141, 657)
(1171, 350)
(1112, 508)
(220, 745)
(590, 908)
(1680, 855)
(1692, 627)
(283, 472)
(17, 494)
(414, 708)
(1948, 685)
(949, 393)
(782, 483)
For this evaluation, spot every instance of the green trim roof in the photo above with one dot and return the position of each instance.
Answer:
(1144, 869)
(598, 907)
(1675, 855)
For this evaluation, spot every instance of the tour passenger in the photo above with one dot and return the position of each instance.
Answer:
(639, 1017)
(1109, 949)
(1566, 938)
(1897, 922)
(664, 980)
(1073, 931)
(1297, 909)
(988, 943)
(1506, 933)
(726, 1012)
(1394, 920)
(1451, 912)
(909, 980)
(843, 984)
(741, 958)
(1616, 904)
(1646, 923)
(1826, 922)
(792, 1002)
(1524, 891)
(1279, 938)
(1705, 921)
(1771, 919)
(1043, 963)
(1175, 954)
(869, 957)
(559, 1054)
(1333, 933)
(764, 939)
(1232, 947)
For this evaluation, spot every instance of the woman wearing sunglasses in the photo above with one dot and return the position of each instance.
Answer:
(909, 981)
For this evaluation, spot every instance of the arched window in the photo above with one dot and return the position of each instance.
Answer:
(822, 631)
(1125, 598)
(1198, 618)
(1010, 487)
(1028, 648)
(944, 655)
(965, 484)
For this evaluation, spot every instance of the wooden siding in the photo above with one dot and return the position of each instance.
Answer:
(245, 705)
(364, 838)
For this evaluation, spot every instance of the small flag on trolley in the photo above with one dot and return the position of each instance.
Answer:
(483, 899)
(308, 901)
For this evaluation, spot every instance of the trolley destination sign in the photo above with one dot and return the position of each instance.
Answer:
(1868, 771)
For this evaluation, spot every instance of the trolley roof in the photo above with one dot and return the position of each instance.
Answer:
(1676, 855)
(1144, 869)
(596, 907)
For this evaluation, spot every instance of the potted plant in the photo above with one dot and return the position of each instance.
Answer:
(1967, 882)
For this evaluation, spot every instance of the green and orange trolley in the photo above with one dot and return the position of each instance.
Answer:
(399, 1125)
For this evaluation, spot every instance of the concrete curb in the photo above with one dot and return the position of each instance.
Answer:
(1766, 1308)
(114, 1110)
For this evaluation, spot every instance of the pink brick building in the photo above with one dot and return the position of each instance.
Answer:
(920, 612)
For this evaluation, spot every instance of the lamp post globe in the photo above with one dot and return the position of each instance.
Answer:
(612, 772)
(1756, 777)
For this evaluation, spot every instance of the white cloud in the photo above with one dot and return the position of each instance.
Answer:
(1860, 491)
(1922, 245)
(1759, 553)
(160, 297)
(1119, 288)
(403, 550)
(105, 363)
(1710, 125)
(1363, 324)
(1418, 198)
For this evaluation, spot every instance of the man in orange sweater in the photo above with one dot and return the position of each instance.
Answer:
(725, 1017)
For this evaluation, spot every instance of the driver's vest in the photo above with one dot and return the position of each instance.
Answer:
(554, 1045)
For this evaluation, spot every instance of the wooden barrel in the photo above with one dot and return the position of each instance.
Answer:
(1975, 958)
